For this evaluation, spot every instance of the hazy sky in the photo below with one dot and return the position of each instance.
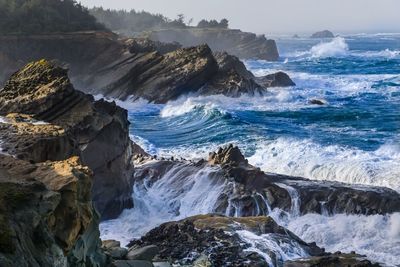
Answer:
(277, 16)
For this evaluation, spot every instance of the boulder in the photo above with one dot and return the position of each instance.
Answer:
(112, 248)
(323, 34)
(146, 253)
(279, 79)
(63, 122)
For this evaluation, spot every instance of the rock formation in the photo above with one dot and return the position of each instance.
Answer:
(215, 240)
(244, 45)
(136, 68)
(46, 214)
(323, 34)
(251, 192)
(72, 124)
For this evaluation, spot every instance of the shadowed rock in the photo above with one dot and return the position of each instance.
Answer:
(244, 45)
(137, 67)
(46, 214)
(323, 34)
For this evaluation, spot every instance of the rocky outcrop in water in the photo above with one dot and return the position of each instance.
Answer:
(46, 214)
(323, 34)
(160, 78)
(136, 68)
(215, 240)
(244, 45)
(251, 192)
(63, 122)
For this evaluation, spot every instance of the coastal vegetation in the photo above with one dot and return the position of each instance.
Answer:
(43, 16)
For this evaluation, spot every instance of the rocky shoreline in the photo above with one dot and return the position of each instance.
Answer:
(65, 155)
(136, 67)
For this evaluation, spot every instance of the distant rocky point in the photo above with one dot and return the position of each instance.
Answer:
(323, 34)
(244, 45)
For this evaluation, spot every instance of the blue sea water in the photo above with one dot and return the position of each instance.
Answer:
(353, 138)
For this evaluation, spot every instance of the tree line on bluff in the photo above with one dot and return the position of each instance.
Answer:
(43, 16)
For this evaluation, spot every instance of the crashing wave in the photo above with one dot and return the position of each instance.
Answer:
(336, 48)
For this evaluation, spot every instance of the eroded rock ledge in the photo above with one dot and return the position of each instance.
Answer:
(46, 214)
(63, 122)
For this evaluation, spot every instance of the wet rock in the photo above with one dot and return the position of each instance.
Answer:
(213, 239)
(146, 253)
(279, 79)
(75, 124)
(317, 102)
(336, 260)
(323, 34)
(131, 263)
(251, 192)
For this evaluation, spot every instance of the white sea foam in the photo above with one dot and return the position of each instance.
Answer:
(335, 48)
(283, 249)
(376, 236)
(182, 192)
(335, 163)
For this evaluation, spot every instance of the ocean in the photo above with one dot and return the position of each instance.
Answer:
(353, 138)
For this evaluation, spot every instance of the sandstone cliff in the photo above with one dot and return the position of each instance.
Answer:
(63, 122)
(46, 215)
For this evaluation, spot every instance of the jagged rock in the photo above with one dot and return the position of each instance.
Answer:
(136, 68)
(146, 253)
(229, 155)
(279, 79)
(97, 131)
(333, 260)
(251, 192)
(323, 34)
(160, 78)
(145, 45)
(216, 236)
(244, 45)
(46, 214)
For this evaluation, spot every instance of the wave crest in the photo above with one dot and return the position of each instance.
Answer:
(336, 48)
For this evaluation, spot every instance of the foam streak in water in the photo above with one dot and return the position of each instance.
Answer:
(376, 236)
